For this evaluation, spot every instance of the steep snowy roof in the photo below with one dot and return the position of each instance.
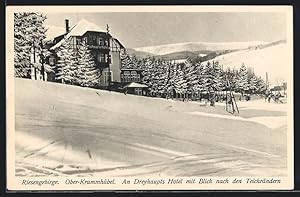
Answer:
(83, 26)
(78, 30)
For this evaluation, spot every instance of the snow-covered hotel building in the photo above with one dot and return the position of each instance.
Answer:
(104, 47)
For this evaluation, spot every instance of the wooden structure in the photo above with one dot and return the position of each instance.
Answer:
(136, 88)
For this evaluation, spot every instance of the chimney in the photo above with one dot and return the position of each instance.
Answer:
(67, 25)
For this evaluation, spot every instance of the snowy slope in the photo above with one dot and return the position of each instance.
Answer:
(67, 130)
(197, 46)
(272, 59)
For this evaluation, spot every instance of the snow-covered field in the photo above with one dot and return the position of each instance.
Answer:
(64, 130)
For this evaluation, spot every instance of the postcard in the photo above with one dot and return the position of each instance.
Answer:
(149, 98)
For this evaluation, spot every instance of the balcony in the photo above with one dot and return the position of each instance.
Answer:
(98, 47)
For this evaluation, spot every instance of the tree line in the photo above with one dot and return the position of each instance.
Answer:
(164, 77)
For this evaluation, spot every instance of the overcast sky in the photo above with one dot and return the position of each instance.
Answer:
(148, 29)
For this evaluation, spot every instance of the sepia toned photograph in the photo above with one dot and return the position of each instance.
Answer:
(163, 97)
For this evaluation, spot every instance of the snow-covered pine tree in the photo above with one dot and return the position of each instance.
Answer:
(169, 84)
(180, 84)
(29, 33)
(201, 77)
(129, 62)
(135, 62)
(191, 77)
(148, 73)
(217, 76)
(243, 84)
(159, 77)
(126, 61)
(155, 75)
(253, 84)
(21, 46)
(208, 76)
(88, 74)
(162, 76)
(66, 67)
(261, 85)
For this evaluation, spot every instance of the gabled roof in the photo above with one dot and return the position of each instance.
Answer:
(135, 85)
(121, 45)
(78, 30)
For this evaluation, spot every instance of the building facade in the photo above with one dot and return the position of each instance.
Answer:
(131, 75)
(104, 48)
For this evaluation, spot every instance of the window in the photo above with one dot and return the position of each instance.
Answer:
(101, 41)
(101, 57)
(127, 76)
(92, 40)
(135, 76)
(107, 75)
(138, 91)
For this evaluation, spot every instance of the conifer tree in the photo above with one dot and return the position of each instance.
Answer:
(180, 83)
(253, 84)
(169, 84)
(261, 85)
(162, 74)
(217, 76)
(88, 74)
(67, 63)
(208, 76)
(29, 33)
(242, 81)
(201, 77)
(129, 62)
